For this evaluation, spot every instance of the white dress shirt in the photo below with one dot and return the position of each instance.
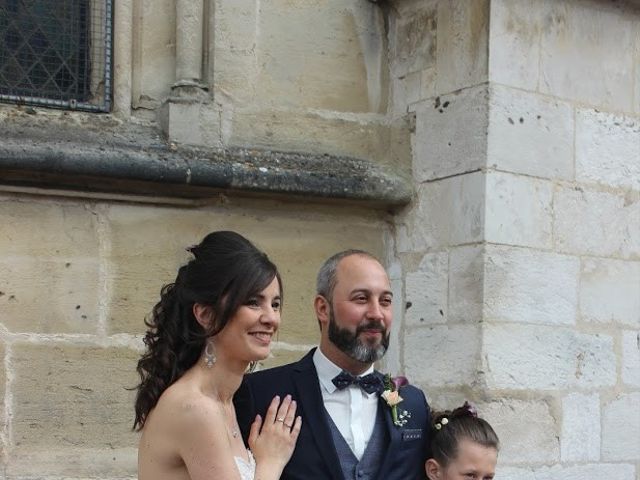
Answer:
(352, 410)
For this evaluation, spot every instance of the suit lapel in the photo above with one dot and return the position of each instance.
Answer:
(305, 379)
(395, 437)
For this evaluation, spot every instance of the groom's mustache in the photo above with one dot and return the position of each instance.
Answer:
(373, 325)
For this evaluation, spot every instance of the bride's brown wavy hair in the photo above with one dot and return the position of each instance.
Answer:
(225, 272)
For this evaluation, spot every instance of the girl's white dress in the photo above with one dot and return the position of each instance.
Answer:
(247, 469)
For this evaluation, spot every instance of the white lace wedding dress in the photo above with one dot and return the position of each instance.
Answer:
(247, 469)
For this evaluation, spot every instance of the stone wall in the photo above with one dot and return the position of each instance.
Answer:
(84, 257)
(516, 265)
(307, 76)
(78, 278)
(522, 247)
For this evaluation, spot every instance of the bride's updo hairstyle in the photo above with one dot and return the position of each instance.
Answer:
(450, 427)
(225, 272)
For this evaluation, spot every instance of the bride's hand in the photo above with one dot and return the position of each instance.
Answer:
(274, 443)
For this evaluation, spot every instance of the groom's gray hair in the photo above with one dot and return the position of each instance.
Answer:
(326, 279)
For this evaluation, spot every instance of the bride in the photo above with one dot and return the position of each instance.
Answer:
(218, 316)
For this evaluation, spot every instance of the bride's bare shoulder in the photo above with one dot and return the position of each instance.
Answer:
(183, 405)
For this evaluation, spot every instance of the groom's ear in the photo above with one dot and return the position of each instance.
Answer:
(432, 467)
(321, 306)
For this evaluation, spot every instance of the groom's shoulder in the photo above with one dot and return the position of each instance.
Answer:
(273, 372)
(278, 373)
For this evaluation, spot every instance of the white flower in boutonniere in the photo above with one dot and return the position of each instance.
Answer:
(391, 395)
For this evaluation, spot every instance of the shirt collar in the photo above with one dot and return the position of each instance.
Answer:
(327, 370)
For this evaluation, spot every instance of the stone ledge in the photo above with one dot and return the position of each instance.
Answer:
(104, 155)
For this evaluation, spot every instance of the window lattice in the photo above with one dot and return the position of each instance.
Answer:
(56, 53)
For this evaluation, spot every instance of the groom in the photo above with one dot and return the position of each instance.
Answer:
(348, 431)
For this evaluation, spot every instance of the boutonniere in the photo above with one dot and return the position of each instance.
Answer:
(391, 395)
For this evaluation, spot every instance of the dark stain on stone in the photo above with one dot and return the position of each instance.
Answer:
(77, 307)
(538, 117)
(521, 120)
(441, 110)
(445, 104)
(84, 317)
(437, 102)
(441, 312)
(407, 305)
(67, 265)
(511, 120)
(12, 297)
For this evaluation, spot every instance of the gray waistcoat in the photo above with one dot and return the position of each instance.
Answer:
(369, 465)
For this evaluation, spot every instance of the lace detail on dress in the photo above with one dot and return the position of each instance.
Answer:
(247, 469)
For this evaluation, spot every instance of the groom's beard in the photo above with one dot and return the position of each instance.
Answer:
(352, 346)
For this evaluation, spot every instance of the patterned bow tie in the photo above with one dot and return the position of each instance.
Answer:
(369, 383)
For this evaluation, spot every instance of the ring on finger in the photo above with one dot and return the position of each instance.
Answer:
(287, 425)
(280, 420)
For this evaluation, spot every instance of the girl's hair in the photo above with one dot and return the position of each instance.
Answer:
(450, 427)
(225, 272)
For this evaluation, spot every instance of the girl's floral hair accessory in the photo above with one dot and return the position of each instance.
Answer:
(466, 410)
(391, 395)
(443, 421)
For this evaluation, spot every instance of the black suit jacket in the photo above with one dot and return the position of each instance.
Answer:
(315, 457)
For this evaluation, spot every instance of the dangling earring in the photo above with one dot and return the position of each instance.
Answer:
(209, 354)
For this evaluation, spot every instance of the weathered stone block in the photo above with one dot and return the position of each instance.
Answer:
(61, 402)
(466, 284)
(580, 439)
(451, 134)
(576, 472)
(607, 149)
(182, 122)
(392, 361)
(514, 43)
(46, 295)
(512, 473)
(3, 400)
(610, 291)
(569, 30)
(288, 48)
(451, 353)
(70, 229)
(73, 463)
(154, 53)
(535, 357)
(414, 37)
(371, 137)
(49, 285)
(462, 44)
(621, 429)
(530, 134)
(631, 358)
(518, 210)
(527, 430)
(530, 286)
(597, 223)
(426, 290)
(636, 91)
(446, 213)
(407, 90)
